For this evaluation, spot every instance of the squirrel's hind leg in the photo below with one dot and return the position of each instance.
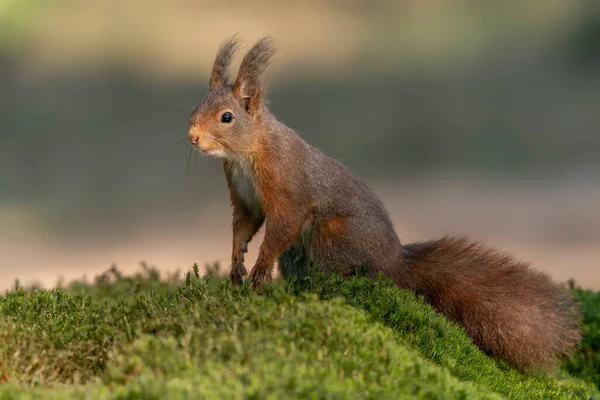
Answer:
(294, 262)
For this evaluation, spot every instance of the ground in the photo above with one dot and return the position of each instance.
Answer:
(195, 336)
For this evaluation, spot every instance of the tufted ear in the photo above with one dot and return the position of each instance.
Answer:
(247, 86)
(222, 61)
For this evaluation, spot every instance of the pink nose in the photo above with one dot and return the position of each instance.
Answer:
(194, 140)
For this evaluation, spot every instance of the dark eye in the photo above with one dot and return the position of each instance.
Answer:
(226, 117)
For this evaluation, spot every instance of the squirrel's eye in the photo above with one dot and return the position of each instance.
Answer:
(226, 117)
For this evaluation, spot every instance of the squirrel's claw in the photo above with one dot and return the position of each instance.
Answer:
(259, 277)
(237, 274)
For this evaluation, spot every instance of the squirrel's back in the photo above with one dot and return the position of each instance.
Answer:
(348, 224)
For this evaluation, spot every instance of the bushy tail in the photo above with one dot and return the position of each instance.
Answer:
(510, 310)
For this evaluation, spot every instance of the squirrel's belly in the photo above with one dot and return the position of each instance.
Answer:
(243, 181)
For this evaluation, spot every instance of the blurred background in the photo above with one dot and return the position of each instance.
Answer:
(478, 118)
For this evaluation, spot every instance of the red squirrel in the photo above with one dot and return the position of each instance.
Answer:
(315, 210)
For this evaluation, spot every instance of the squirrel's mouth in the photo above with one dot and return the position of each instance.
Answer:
(213, 152)
(209, 147)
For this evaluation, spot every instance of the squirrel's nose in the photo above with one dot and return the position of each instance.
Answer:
(196, 135)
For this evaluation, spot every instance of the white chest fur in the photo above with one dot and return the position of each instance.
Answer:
(242, 178)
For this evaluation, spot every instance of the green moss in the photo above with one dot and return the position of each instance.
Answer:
(586, 362)
(143, 337)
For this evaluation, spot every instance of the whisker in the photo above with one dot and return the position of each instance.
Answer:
(188, 161)
(196, 160)
(178, 143)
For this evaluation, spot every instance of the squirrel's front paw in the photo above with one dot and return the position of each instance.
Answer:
(237, 274)
(259, 276)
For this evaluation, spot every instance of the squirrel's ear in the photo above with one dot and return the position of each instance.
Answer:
(247, 87)
(247, 91)
(222, 61)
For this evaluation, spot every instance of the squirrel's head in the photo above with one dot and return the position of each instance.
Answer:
(223, 124)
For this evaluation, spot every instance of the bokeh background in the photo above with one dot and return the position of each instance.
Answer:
(478, 118)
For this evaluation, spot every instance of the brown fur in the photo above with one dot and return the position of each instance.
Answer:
(507, 308)
(315, 209)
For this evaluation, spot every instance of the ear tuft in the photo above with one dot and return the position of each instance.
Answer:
(222, 62)
(258, 57)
